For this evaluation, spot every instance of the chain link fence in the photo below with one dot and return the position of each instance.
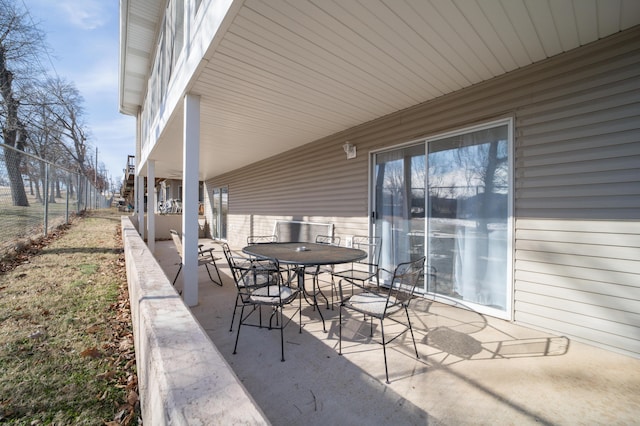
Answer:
(37, 196)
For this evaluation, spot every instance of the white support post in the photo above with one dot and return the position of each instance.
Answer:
(140, 195)
(190, 172)
(151, 202)
(138, 181)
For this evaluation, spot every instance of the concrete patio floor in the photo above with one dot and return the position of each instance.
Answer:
(473, 369)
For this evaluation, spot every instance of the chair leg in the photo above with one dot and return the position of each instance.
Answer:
(235, 308)
(215, 265)
(333, 288)
(281, 334)
(211, 278)
(235, 347)
(176, 278)
(384, 350)
(340, 329)
(415, 348)
(274, 313)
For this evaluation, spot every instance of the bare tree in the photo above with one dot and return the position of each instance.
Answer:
(19, 42)
(67, 111)
(41, 135)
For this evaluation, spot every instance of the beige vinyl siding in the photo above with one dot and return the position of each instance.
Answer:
(577, 258)
(576, 184)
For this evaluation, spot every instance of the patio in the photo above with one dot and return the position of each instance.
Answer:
(472, 369)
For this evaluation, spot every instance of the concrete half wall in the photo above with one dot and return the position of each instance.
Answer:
(166, 222)
(183, 379)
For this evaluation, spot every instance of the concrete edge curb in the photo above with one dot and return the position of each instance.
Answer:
(183, 379)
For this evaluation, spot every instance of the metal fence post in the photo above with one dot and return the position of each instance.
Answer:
(45, 197)
(78, 194)
(66, 209)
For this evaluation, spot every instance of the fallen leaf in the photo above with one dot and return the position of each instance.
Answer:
(125, 344)
(91, 352)
(132, 384)
(106, 375)
(93, 329)
(132, 398)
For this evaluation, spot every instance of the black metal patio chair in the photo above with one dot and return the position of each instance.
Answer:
(238, 265)
(361, 272)
(205, 257)
(260, 284)
(382, 303)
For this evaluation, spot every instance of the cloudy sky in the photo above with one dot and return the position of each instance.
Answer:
(83, 40)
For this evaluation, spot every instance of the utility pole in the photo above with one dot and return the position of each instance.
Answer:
(95, 172)
(95, 177)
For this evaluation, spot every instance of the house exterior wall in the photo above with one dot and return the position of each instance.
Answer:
(173, 189)
(577, 185)
(577, 262)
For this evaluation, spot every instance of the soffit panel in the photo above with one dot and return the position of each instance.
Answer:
(287, 73)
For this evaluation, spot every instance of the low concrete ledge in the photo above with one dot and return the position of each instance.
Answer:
(165, 222)
(183, 379)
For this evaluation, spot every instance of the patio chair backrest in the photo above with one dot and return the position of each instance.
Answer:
(177, 241)
(248, 272)
(260, 239)
(328, 239)
(293, 231)
(405, 280)
(370, 245)
(236, 271)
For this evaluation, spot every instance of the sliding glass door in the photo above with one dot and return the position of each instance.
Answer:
(220, 208)
(399, 212)
(449, 198)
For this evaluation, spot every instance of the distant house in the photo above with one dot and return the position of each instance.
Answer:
(501, 139)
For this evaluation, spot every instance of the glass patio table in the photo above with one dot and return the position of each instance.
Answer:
(303, 255)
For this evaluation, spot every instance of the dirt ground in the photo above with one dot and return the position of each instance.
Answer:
(66, 343)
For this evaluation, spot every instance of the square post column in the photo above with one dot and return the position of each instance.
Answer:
(140, 196)
(190, 172)
(151, 204)
(138, 182)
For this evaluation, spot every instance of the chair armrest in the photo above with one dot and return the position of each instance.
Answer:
(390, 273)
(242, 262)
(207, 250)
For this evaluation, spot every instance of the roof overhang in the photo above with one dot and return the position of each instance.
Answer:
(284, 74)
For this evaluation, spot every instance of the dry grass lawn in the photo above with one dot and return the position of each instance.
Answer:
(66, 346)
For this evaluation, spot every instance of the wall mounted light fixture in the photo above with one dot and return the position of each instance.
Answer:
(350, 149)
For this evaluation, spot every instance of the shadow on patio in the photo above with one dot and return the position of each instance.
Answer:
(472, 369)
